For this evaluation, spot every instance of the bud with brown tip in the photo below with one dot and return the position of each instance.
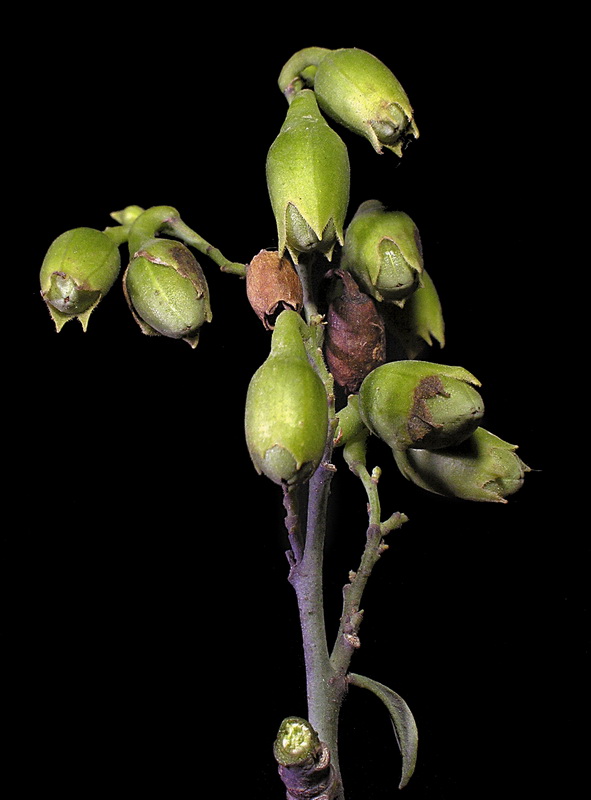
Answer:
(166, 291)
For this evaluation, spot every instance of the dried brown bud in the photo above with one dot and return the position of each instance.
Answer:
(355, 337)
(272, 285)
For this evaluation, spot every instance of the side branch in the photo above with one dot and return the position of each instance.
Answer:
(347, 640)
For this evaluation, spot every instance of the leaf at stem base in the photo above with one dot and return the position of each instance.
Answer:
(402, 719)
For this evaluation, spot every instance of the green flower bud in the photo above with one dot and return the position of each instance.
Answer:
(286, 418)
(308, 180)
(420, 405)
(357, 90)
(383, 250)
(78, 270)
(483, 468)
(166, 291)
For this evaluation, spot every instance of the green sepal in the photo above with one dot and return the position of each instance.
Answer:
(404, 724)
(383, 251)
(420, 404)
(80, 267)
(419, 321)
(166, 291)
(483, 468)
(308, 179)
(286, 415)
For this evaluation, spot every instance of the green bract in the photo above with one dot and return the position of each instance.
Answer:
(482, 468)
(308, 180)
(419, 320)
(79, 268)
(357, 90)
(383, 250)
(286, 418)
(166, 291)
(421, 405)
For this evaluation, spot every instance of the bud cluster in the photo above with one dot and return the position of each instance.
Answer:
(430, 417)
(163, 283)
(377, 293)
(333, 333)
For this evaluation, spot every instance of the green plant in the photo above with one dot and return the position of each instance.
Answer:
(328, 384)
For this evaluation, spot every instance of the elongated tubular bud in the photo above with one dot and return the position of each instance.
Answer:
(308, 181)
(286, 416)
(482, 468)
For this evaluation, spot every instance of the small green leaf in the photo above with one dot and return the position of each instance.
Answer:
(402, 719)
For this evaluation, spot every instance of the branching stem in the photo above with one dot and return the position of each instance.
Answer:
(326, 673)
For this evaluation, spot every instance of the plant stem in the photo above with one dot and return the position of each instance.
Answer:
(325, 694)
(190, 237)
(326, 673)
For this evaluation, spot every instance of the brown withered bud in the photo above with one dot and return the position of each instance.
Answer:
(272, 284)
(355, 337)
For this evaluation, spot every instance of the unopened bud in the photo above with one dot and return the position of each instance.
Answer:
(421, 405)
(286, 418)
(272, 284)
(355, 340)
(357, 90)
(383, 250)
(78, 270)
(166, 291)
(308, 180)
(482, 468)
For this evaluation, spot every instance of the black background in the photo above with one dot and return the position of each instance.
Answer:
(157, 645)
